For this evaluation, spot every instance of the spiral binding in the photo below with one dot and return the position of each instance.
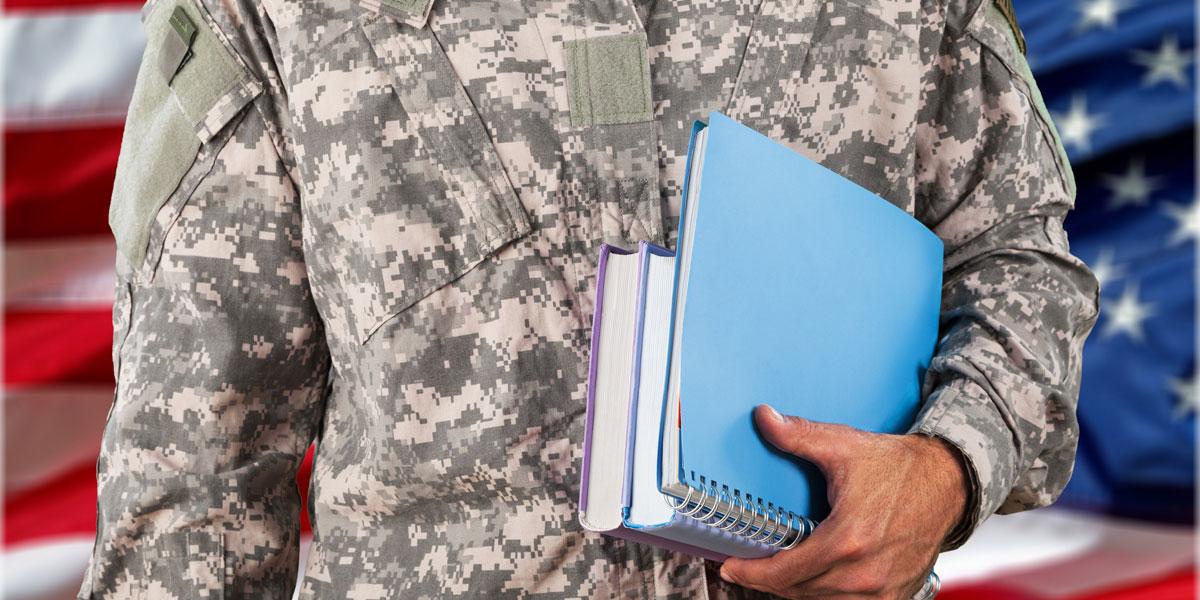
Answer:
(723, 506)
(739, 516)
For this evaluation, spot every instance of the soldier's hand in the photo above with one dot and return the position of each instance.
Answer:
(894, 499)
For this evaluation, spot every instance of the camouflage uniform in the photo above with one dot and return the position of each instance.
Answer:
(374, 224)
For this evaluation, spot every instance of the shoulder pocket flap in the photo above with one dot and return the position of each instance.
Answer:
(171, 116)
(413, 13)
(210, 84)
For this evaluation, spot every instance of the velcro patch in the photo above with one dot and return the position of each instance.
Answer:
(211, 84)
(177, 44)
(609, 79)
(182, 24)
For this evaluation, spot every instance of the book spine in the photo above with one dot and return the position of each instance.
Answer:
(644, 251)
(593, 353)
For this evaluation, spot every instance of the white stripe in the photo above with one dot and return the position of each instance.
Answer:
(305, 548)
(69, 67)
(49, 569)
(1057, 553)
(50, 430)
(60, 273)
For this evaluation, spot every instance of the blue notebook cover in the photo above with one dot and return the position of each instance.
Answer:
(807, 292)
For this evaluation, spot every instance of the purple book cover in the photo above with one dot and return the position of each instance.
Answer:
(597, 317)
(642, 537)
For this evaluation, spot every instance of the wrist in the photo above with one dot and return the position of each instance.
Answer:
(946, 480)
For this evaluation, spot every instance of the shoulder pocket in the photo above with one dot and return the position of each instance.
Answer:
(189, 86)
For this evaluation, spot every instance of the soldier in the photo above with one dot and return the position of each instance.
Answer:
(374, 224)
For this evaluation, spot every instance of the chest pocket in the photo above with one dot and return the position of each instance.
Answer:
(406, 191)
(189, 86)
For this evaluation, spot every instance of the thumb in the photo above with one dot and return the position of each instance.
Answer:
(820, 443)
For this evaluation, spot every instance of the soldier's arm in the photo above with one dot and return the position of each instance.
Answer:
(218, 350)
(994, 183)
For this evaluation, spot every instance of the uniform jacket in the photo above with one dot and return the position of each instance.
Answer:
(374, 224)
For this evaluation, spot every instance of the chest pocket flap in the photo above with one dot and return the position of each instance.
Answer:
(189, 86)
(405, 190)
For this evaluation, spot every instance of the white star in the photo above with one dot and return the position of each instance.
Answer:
(1077, 125)
(1187, 221)
(1165, 64)
(1099, 13)
(1126, 314)
(1133, 188)
(1187, 396)
(1105, 270)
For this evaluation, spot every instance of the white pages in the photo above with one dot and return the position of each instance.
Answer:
(647, 505)
(610, 418)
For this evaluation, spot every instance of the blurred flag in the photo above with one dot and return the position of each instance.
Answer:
(1119, 79)
(1117, 74)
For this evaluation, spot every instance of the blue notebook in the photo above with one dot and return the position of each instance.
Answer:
(796, 287)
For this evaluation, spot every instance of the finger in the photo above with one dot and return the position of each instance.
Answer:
(856, 581)
(821, 443)
(763, 574)
(785, 569)
(846, 581)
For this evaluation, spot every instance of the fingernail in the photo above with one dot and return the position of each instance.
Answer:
(725, 575)
(774, 414)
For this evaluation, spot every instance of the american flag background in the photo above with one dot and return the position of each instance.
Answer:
(1117, 75)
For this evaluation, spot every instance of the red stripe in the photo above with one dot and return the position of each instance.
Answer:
(1180, 586)
(63, 506)
(984, 592)
(53, 5)
(302, 482)
(45, 347)
(1176, 586)
(57, 182)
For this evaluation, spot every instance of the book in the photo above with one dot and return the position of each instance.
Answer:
(792, 286)
(606, 449)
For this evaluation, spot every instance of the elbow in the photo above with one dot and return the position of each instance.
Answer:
(1042, 485)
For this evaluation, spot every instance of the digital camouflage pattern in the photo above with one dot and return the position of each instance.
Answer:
(390, 248)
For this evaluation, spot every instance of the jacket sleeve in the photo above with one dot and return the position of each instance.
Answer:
(994, 183)
(221, 368)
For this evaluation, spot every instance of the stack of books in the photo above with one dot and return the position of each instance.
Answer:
(792, 286)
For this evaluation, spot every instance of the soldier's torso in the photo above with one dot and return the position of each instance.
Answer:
(458, 173)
